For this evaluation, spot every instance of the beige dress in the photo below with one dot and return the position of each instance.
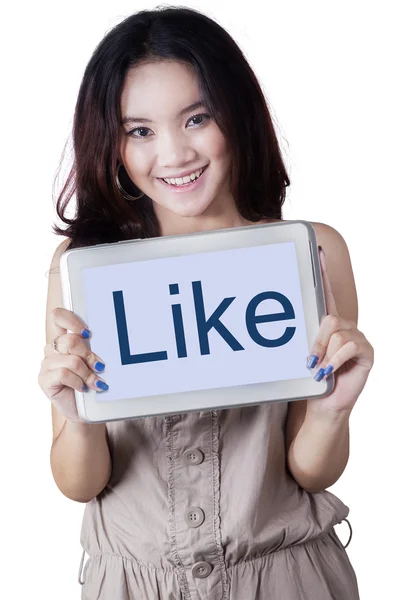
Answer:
(201, 506)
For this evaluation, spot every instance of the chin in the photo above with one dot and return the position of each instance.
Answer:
(188, 209)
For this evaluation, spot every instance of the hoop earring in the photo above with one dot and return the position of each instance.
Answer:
(123, 192)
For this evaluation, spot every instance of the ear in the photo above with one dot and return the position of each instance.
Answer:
(119, 160)
(120, 150)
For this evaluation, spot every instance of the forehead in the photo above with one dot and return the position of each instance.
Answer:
(159, 89)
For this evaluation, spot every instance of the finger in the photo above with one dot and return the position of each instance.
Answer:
(329, 325)
(331, 308)
(55, 379)
(72, 343)
(346, 352)
(75, 364)
(343, 346)
(63, 319)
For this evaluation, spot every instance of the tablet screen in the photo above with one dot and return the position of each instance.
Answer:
(200, 321)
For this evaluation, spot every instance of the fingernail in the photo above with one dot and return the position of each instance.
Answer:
(99, 366)
(85, 333)
(312, 361)
(85, 388)
(319, 375)
(102, 385)
(328, 369)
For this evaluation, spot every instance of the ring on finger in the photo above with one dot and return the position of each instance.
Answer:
(54, 345)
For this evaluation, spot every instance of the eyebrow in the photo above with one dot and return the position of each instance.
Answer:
(189, 108)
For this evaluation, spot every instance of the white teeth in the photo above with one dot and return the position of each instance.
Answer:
(184, 180)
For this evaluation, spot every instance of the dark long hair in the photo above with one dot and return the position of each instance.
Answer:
(229, 89)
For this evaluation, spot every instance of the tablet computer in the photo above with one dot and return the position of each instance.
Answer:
(209, 320)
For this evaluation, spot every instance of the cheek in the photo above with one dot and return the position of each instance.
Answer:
(219, 147)
(135, 159)
(212, 143)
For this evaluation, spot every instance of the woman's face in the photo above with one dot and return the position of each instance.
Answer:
(162, 137)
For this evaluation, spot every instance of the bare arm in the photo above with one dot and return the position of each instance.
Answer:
(317, 442)
(80, 458)
(319, 453)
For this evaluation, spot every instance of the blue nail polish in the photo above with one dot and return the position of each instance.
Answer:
(99, 366)
(312, 361)
(85, 388)
(85, 333)
(328, 369)
(319, 375)
(102, 385)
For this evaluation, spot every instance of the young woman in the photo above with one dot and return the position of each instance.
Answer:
(172, 135)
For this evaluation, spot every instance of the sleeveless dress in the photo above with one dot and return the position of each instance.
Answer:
(201, 506)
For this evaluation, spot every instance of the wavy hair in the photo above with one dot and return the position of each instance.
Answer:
(229, 89)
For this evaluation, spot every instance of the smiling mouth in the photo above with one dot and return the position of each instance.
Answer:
(180, 185)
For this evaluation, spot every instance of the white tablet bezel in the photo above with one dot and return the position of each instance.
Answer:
(298, 231)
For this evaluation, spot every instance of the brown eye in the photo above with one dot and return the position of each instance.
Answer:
(131, 133)
(202, 116)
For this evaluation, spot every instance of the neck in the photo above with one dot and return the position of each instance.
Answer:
(220, 215)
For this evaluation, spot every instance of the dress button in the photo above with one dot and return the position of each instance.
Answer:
(201, 569)
(194, 516)
(194, 456)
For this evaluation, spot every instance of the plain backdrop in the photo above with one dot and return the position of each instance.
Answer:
(329, 74)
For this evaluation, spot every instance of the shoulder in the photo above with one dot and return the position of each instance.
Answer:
(61, 248)
(329, 235)
(324, 233)
(55, 260)
(340, 270)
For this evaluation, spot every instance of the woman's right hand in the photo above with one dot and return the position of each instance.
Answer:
(72, 367)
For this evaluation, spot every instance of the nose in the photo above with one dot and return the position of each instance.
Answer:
(174, 150)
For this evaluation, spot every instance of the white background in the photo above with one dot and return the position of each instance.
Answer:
(329, 73)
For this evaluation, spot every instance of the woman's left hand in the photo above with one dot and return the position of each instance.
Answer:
(344, 350)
